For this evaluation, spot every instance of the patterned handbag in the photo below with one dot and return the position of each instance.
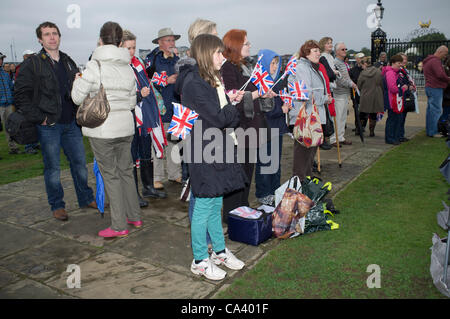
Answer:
(307, 128)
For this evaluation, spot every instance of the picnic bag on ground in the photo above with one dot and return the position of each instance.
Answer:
(94, 110)
(315, 188)
(286, 220)
(307, 128)
(318, 218)
(294, 183)
(249, 226)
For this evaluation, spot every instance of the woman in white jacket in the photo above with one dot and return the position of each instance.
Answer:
(111, 141)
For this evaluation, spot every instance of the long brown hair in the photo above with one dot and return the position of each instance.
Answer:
(234, 41)
(202, 49)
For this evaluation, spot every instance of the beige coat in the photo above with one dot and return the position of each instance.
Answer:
(370, 85)
(120, 86)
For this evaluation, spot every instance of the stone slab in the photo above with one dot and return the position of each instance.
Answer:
(7, 277)
(111, 275)
(14, 239)
(29, 289)
(48, 259)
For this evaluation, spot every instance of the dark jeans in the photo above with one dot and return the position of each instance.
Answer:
(67, 136)
(266, 184)
(393, 127)
(434, 109)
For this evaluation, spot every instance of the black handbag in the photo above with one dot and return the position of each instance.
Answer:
(20, 130)
(409, 102)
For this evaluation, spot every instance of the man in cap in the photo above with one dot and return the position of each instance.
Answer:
(42, 93)
(6, 102)
(354, 75)
(162, 59)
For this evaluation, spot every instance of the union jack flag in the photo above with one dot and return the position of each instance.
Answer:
(290, 67)
(284, 95)
(298, 90)
(261, 79)
(182, 121)
(160, 79)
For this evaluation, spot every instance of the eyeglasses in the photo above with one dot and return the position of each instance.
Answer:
(247, 44)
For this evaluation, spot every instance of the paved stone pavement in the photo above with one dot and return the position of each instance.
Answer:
(152, 262)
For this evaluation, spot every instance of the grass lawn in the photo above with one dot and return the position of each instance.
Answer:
(16, 167)
(388, 216)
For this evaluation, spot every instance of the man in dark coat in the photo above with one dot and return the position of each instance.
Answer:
(48, 77)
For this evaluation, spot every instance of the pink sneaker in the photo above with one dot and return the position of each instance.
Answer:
(137, 224)
(109, 233)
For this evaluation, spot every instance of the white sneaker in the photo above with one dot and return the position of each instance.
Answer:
(228, 259)
(208, 269)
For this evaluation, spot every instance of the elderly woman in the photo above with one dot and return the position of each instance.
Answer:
(111, 141)
(370, 83)
(308, 72)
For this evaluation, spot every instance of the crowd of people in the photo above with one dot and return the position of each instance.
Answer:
(211, 79)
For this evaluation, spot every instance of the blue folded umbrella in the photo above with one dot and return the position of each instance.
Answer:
(100, 193)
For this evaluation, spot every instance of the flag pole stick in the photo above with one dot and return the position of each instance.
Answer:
(337, 141)
(318, 159)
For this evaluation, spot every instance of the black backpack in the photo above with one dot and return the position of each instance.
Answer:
(409, 101)
(18, 127)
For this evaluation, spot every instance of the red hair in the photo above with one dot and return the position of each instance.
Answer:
(306, 48)
(234, 41)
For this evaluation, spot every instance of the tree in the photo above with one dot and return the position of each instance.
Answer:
(366, 51)
(436, 36)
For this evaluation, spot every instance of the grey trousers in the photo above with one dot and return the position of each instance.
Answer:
(171, 154)
(116, 165)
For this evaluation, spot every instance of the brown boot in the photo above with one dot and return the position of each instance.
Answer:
(372, 124)
(60, 214)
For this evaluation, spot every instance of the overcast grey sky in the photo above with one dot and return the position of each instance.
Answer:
(279, 25)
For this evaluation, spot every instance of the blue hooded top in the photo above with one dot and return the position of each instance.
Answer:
(276, 117)
(268, 56)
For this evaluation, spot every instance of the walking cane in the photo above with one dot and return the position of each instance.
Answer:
(318, 159)
(337, 141)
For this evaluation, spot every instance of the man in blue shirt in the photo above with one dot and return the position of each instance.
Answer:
(6, 102)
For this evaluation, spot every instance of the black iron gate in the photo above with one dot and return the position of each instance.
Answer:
(416, 52)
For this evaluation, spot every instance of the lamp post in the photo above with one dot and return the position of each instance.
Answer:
(378, 43)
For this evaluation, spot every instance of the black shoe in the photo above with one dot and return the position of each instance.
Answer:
(142, 202)
(14, 151)
(149, 191)
(404, 139)
(393, 143)
(325, 146)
